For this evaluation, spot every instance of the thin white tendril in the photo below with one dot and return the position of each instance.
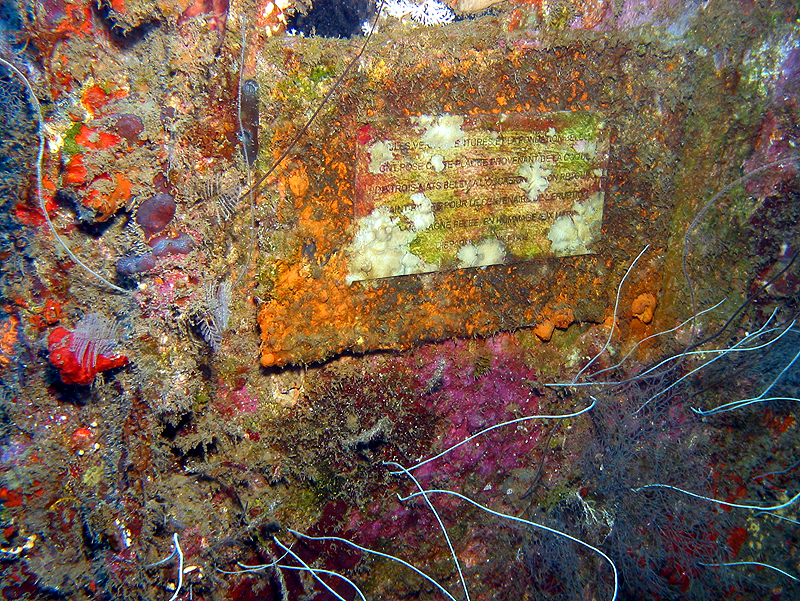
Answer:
(613, 316)
(748, 563)
(762, 398)
(176, 550)
(314, 571)
(379, 554)
(438, 519)
(490, 428)
(722, 353)
(726, 503)
(37, 109)
(527, 522)
(643, 340)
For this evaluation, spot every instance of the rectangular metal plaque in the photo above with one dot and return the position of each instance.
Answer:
(435, 193)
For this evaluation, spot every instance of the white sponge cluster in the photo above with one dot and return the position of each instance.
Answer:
(572, 234)
(535, 179)
(427, 12)
(442, 131)
(380, 247)
(379, 154)
(487, 252)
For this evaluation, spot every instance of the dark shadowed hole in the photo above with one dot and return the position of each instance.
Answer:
(333, 18)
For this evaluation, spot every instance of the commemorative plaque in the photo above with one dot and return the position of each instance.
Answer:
(444, 192)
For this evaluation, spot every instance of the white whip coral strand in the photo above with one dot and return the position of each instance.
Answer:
(315, 571)
(656, 335)
(613, 315)
(748, 563)
(379, 554)
(490, 428)
(735, 348)
(762, 398)
(711, 500)
(422, 492)
(176, 549)
(425, 493)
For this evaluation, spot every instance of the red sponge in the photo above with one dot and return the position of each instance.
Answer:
(73, 371)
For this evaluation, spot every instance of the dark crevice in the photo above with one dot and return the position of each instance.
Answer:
(122, 34)
(333, 18)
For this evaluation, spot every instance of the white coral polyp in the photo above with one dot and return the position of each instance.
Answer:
(429, 12)
(380, 247)
(573, 234)
(535, 179)
(441, 132)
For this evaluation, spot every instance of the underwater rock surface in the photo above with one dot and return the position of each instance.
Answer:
(199, 401)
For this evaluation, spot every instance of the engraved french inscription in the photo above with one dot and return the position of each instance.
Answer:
(450, 191)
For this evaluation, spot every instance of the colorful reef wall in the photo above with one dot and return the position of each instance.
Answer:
(307, 299)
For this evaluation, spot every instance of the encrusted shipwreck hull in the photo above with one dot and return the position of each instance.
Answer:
(252, 275)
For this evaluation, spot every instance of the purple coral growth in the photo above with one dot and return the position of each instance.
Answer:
(469, 386)
(469, 401)
(155, 213)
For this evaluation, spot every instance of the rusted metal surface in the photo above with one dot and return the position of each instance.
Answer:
(313, 313)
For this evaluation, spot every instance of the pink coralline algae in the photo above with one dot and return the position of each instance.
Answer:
(237, 402)
(470, 386)
(479, 390)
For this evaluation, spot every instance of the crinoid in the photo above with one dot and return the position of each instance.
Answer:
(94, 335)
